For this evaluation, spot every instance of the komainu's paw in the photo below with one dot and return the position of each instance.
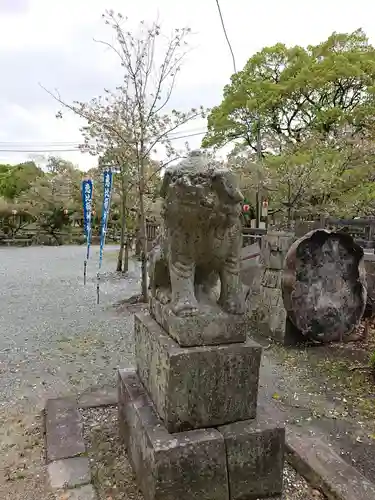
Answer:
(233, 305)
(185, 308)
(163, 296)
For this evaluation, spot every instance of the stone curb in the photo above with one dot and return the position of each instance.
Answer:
(317, 462)
(97, 398)
(67, 463)
(309, 455)
(324, 469)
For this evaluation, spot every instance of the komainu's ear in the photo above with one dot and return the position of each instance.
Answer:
(165, 184)
(224, 182)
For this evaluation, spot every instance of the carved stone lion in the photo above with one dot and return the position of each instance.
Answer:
(200, 239)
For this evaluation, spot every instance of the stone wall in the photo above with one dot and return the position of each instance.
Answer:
(265, 303)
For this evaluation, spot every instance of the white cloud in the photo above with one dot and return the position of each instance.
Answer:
(52, 42)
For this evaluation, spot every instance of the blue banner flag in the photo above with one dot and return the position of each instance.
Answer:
(87, 192)
(107, 180)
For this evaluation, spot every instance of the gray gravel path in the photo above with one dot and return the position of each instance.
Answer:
(54, 339)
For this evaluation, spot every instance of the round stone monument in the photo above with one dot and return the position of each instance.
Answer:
(324, 285)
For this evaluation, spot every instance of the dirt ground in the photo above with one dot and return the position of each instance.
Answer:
(22, 470)
(329, 391)
(340, 371)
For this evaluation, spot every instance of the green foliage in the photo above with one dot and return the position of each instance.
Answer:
(51, 201)
(55, 198)
(315, 106)
(295, 91)
(48, 200)
(16, 179)
(372, 361)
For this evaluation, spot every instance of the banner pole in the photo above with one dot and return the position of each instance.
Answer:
(87, 192)
(97, 288)
(107, 175)
(84, 271)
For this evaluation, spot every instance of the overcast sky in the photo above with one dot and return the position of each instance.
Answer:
(51, 41)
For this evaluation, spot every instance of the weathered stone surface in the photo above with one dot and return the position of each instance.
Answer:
(265, 307)
(198, 386)
(271, 278)
(269, 313)
(181, 466)
(64, 429)
(212, 326)
(86, 492)
(250, 277)
(325, 470)
(69, 473)
(200, 240)
(255, 458)
(99, 396)
(274, 248)
(324, 285)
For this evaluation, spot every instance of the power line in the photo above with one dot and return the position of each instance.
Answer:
(77, 149)
(188, 135)
(258, 136)
(38, 150)
(226, 35)
(53, 144)
(40, 143)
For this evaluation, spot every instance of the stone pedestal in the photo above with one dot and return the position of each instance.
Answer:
(196, 387)
(269, 316)
(187, 413)
(188, 419)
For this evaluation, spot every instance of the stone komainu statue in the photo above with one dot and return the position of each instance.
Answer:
(200, 240)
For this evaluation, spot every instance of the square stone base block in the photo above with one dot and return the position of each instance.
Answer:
(241, 461)
(181, 466)
(196, 387)
(255, 458)
(212, 326)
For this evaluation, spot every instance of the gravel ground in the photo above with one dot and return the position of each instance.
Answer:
(113, 476)
(54, 340)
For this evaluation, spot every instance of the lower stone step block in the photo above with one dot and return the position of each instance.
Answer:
(168, 466)
(255, 458)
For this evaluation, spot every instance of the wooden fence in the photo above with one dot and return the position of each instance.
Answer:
(362, 230)
(252, 235)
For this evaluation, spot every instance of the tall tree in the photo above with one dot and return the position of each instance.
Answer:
(14, 179)
(55, 197)
(296, 91)
(135, 117)
(315, 106)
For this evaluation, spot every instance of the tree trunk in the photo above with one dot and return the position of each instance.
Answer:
(126, 232)
(120, 259)
(120, 255)
(143, 234)
(126, 255)
(289, 217)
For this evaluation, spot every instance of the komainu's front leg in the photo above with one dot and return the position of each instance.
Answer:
(232, 298)
(184, 302)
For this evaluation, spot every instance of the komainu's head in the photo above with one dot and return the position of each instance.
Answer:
(195, 186)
